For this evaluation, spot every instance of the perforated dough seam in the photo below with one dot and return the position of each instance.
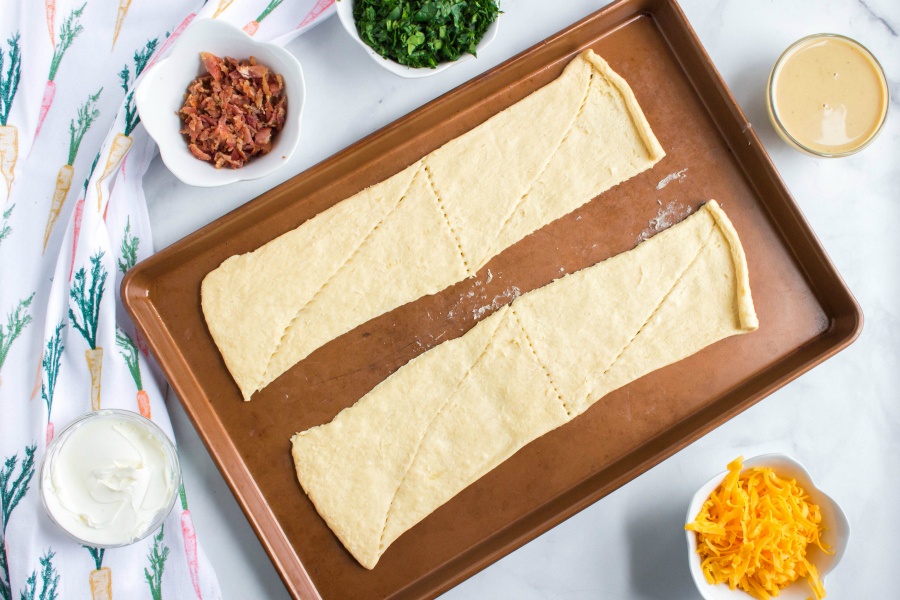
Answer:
(658, 306)
(587, 91)
(333, 275)
(440, 203)
(541, 363)
(427, 428)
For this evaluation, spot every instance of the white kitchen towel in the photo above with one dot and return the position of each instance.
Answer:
(73, 219)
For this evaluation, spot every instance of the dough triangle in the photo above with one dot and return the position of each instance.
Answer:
(457, 411)
(448, 214)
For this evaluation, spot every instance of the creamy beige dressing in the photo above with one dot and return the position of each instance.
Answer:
(829, 95)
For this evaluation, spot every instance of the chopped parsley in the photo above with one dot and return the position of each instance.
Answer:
(423, 33)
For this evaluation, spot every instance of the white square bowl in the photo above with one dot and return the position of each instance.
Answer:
(160, 95)
(835, 536)
(345, 14)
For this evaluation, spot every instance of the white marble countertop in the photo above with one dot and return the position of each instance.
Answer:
(842, 419)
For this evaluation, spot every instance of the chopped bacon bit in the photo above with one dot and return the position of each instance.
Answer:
(198, 152)
(211, 62)
(258, 71)
(263, 136)
(233, 113)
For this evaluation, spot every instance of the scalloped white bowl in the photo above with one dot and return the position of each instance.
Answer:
(836, 535)
(161, 93)
(345, 14)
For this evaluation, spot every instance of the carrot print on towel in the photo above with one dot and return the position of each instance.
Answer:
(5, 228)
(128, 251)
(158, 555)
(313, 14)
(16, 322)
(124, 5)
(12, 490)
(100, 579)
(122, 141)
(129, 350)
(50, 363)
(9, 135)
(71, 28)
(87, 114)
(222, 7)
(253, 25)
(130, 353)
(87, 297)
(79, 215)
(190, 542)
(50, 13)
(49, 581)
(170, 39)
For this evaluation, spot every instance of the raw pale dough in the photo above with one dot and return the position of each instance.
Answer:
(457, 411)
(429, 226)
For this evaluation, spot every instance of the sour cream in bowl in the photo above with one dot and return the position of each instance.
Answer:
(110, 478)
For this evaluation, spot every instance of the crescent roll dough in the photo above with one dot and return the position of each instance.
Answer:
(433, 224)
(457, 411)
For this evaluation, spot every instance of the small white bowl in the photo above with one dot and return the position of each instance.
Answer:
(345, 14)
(160, 95)
(835, 536)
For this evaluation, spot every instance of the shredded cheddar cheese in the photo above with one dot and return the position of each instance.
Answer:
(754, 530)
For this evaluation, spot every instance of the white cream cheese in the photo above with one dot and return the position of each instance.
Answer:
(109, 478)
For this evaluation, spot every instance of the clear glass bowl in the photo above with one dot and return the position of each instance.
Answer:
(772, 108)
(171, 460)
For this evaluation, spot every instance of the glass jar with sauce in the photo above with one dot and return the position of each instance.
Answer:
(827, 96)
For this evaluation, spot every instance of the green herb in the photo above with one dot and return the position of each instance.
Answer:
(423, 33)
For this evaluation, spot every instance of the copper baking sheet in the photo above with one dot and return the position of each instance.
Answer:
(806, 313)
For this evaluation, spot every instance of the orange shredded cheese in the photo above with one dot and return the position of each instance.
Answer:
(754, 530)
